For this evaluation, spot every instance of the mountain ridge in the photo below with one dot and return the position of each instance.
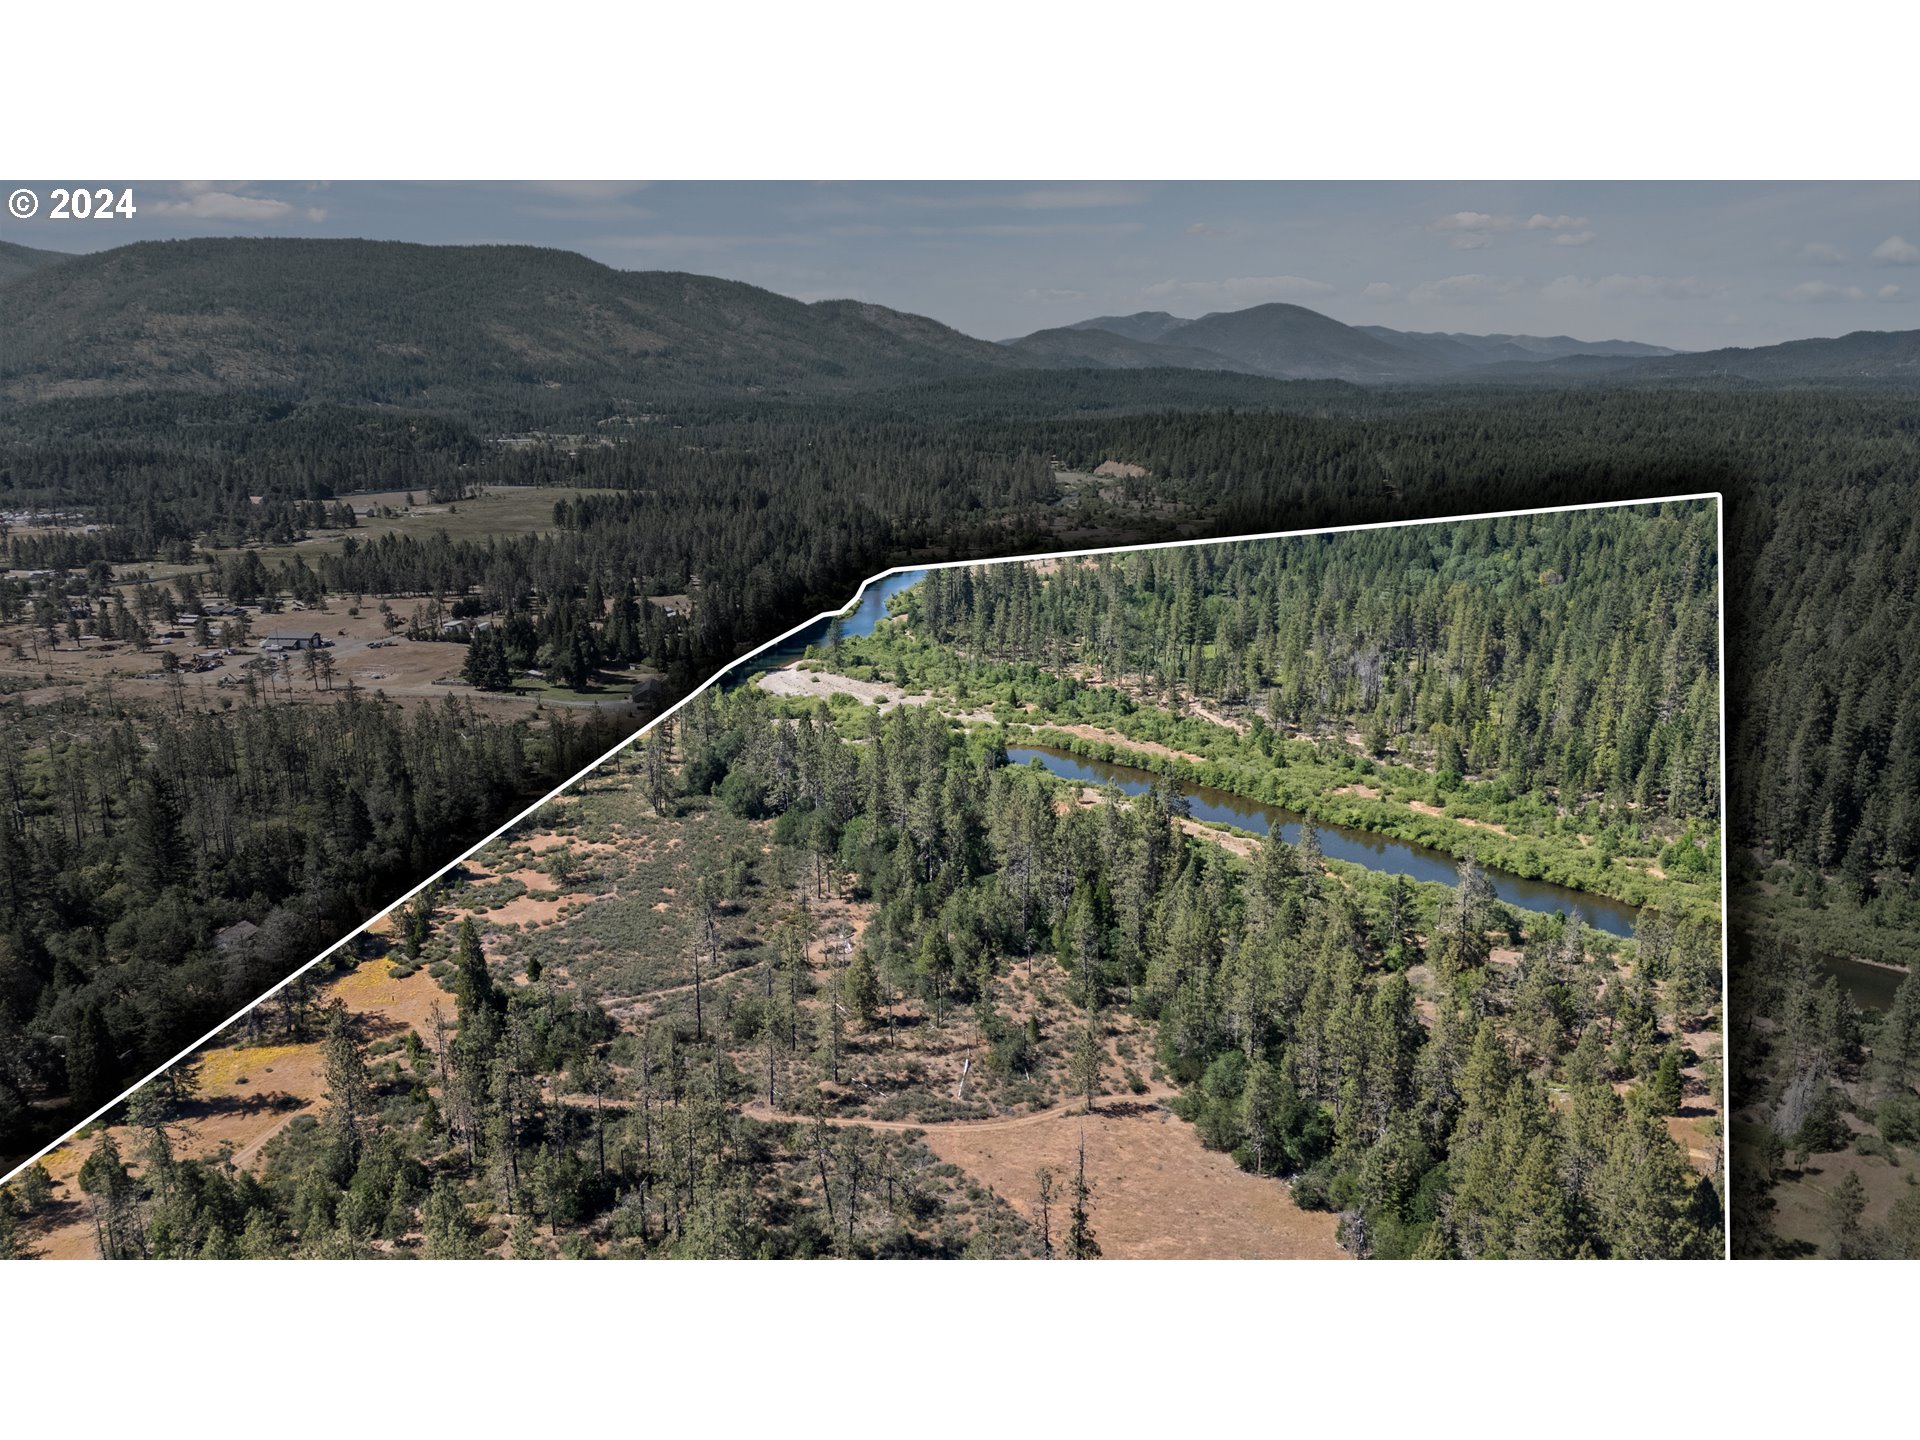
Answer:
(18, 260)
(519, 337)
(1291, 342)
(434, 326)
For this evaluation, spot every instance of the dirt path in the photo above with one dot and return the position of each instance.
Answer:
(1213, 717)
(1114, 737)
(1421, 807)
(759, 1110)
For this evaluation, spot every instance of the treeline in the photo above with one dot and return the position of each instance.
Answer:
(1824, 744)
(1279, 995)
(1575, 653)
(126, 845)
(524, 1124)
(165, 474)
(779, 507)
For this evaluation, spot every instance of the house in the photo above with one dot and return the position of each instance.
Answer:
(237, 933)
(293, 642)
(650, 694)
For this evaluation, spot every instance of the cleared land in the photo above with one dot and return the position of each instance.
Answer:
(366, 652)
(248, 1094)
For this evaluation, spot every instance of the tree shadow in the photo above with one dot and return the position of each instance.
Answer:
(264, 1102)
(1128, 1109)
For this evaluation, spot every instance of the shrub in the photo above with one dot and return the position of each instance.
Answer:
(1899, 1120)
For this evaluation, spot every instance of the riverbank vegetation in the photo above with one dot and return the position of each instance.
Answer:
(1541, 693)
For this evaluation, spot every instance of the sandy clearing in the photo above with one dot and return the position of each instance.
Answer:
(1114, 737)
(818, 684)
(1689, 1132)
(1242, 845)
(1158, 1194)
(1423, 808)
(1802, 1206)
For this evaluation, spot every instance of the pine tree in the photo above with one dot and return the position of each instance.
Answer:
(349, 1088)
(1044, 1192)
(1081, 1244)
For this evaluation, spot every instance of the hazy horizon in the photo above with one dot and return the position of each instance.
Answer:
(1689, 265)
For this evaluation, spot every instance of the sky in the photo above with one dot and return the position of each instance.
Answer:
(1684, 264)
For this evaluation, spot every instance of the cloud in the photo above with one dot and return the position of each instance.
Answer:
(1051, 197)
(1054, 296)
(1574, 237)
(1039, 229)
(649, 242)
(1627, 287)
(1819, 252)
(1896, 251)
(1461, 290)
(1380, 292)
(1894, 294)
(1079, 197)
(1243, 290)
(1200, 227)
(1472, 229)
(1820, 292)
(1475, 229)
(592, 192)
(204, 202)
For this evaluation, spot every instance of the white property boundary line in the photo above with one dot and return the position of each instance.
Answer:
(1727, 903)
(853, 604)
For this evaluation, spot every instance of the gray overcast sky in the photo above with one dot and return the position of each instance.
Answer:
(1692, 265)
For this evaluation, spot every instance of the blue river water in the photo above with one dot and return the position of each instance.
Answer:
(1375, 852)
(1360, 847)
(868, 612)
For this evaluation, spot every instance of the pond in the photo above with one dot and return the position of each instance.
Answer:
(1871, 986)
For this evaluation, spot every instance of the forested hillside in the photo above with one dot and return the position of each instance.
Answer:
(18, 260)
(436, 328)
(131, 848)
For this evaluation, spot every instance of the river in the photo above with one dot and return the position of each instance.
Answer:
(867, 612)
(1360, 847)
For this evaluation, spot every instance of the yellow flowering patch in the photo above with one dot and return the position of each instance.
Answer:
(222, 1068)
